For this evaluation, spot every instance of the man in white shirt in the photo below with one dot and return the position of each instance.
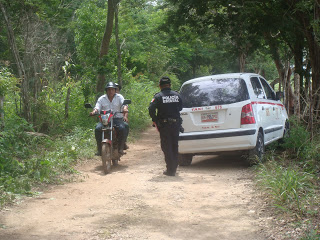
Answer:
(111, 101)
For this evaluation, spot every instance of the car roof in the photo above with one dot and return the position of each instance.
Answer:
(217, 76)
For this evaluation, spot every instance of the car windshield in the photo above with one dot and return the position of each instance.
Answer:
(214, 92)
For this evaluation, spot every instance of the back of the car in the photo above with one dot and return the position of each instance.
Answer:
(217, 115)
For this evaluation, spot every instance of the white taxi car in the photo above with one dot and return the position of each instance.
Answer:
(228, 113)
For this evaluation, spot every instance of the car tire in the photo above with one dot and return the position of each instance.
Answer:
(256, 154)
(184, 159)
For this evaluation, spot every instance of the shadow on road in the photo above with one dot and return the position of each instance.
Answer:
(99, 169)
(217, 162)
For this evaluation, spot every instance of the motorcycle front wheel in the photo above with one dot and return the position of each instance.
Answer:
(106, 157)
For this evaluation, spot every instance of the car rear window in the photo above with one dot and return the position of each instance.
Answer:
(214, 92)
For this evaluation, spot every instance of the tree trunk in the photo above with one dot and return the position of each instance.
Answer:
(20, 66)
(314, 55)
(104, 48)
(66, 111)
(1, 113)
(297, 96)
(116, 22)
(242, 61)
(310, 122)
(298, 63)
(314, 51)
(289, 95)
(276, 58)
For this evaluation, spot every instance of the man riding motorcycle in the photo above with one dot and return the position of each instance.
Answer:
(111, 101)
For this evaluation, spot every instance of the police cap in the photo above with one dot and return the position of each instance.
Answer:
(164, 80)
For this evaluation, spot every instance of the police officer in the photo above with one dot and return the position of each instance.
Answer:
(164, 110)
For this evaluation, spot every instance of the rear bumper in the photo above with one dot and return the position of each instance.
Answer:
(217, 141)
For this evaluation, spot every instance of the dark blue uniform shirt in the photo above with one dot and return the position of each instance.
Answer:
(168, 104)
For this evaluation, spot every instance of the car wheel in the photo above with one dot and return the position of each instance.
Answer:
(256, 154)
(184, 159)
(286, 133)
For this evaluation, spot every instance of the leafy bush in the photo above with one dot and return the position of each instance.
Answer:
(7, 81)
(299, 141)
(140, 94)
(43, 160)
(49, 110)
(301, 148)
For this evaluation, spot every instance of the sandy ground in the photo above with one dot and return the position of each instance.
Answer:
(214, 198)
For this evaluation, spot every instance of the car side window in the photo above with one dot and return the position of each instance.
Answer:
(268, 90)
(257, 88)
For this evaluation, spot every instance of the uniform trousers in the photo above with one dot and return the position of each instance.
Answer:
(169, 135)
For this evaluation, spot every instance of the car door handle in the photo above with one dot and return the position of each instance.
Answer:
(274, 108)
(262, 108)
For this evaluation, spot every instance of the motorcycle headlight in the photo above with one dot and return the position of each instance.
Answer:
(104, 119)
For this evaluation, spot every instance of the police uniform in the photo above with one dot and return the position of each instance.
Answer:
(164, 110)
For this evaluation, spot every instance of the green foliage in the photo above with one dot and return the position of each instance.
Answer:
(49, 114)
(311, 234)
(89, 28)
(261, 62)
(299, 144)
(43, 160)
(7, 81)
(146, 47)
(140, 93)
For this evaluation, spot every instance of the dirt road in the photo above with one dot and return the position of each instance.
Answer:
(211, 199)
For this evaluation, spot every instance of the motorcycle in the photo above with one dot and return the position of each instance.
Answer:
(110, 142)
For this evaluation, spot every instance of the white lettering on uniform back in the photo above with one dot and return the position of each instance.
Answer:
(170, 99)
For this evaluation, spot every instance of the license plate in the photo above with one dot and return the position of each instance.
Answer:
(209, 117)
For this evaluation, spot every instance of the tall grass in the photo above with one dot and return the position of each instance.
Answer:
(290, 178)
(290, 188)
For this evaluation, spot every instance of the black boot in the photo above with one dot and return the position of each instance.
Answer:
(99, 147)
(125, 146)
(121, 147)
(169, 173)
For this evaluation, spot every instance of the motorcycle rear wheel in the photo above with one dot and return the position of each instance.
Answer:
(106, 157)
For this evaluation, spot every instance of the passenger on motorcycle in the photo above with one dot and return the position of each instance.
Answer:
(126, 123)
(111, 101)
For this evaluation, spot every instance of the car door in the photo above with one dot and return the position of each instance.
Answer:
(274, 117)
(262, 108)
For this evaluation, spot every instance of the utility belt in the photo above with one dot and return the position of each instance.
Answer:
(169, 120)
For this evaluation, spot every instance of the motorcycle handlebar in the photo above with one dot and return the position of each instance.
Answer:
(103, 112)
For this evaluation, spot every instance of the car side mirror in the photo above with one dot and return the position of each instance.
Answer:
(126, 102)
(279, 95)
(88, 105)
